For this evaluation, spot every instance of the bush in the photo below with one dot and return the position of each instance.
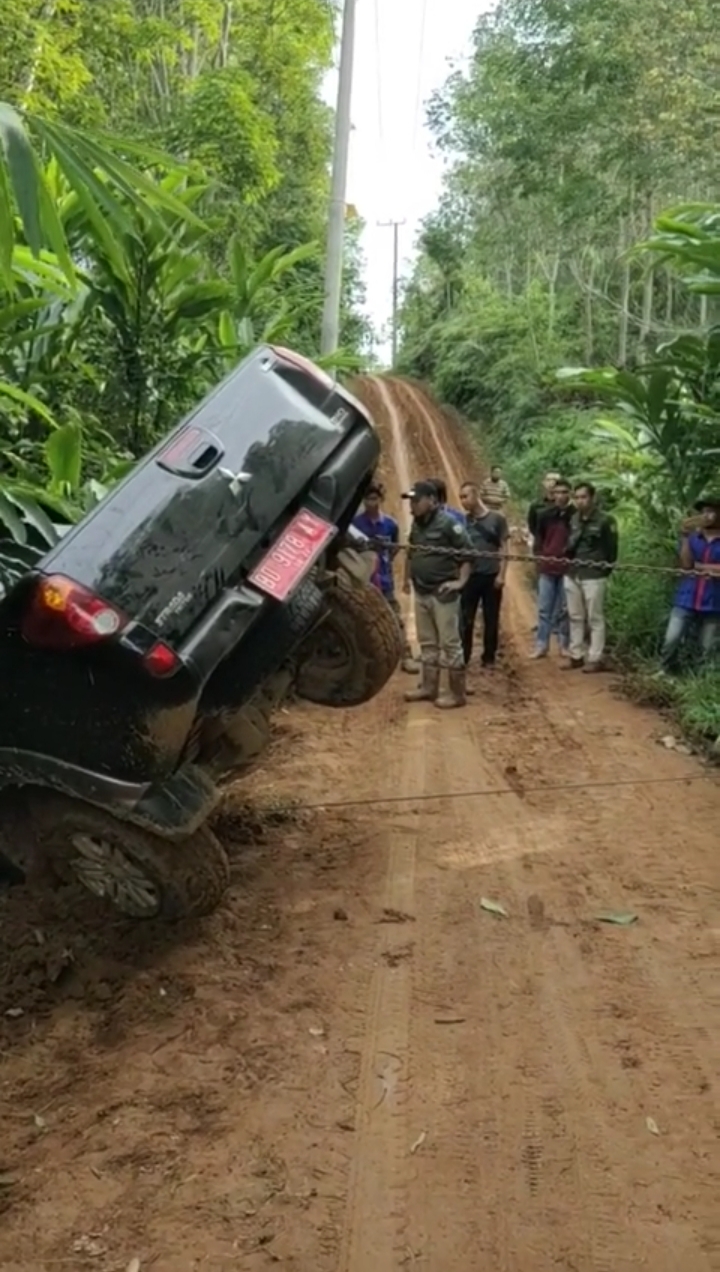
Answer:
(638, 602)
(562, 441)
(698, 702)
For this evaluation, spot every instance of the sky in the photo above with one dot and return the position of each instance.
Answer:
(404, 49)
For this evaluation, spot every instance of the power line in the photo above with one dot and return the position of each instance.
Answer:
(395, 226)
(378, 75)
(418, 93)
(423, 797)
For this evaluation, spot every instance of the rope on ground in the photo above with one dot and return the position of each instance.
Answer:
(520, 788)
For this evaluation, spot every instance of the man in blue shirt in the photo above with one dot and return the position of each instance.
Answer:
(697, 598)
(455, 513)
(384, 531)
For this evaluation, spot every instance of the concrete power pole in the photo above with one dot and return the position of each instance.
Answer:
(395, 227)
(336, 221)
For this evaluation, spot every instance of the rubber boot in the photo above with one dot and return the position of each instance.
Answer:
(409, 664)
(427, 690)
(455, 695)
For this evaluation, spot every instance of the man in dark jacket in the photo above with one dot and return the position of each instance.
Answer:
(488, 533)
(593, 549)
(550, 544)
(543, 503)
(437, 572)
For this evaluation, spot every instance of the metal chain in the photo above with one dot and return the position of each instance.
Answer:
(527, 558)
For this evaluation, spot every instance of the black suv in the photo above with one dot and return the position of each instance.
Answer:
(142, 657)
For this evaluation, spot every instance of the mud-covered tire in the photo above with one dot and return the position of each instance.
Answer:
(140, 874)
(353, 653)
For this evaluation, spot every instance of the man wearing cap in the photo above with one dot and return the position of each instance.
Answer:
(437, 573)
(697, 598)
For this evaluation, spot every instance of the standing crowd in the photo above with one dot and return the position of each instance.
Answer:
(456, 565)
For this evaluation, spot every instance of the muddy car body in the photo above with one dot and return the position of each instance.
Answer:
(143, 656)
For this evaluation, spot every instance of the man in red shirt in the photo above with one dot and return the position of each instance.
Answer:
(552, 532)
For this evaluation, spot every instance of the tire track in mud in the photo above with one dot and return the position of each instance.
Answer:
(375, 1232)
(534, 1101)
(355, 1067)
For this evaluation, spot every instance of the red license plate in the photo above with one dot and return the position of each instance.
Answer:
(295, 552)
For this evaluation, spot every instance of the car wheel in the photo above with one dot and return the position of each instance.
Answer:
(353, 653)
(142, 875)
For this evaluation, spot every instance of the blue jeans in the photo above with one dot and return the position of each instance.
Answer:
(680, 624)
(552, 611)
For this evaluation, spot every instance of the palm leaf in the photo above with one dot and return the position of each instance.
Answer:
(29, 401)
(101, 180)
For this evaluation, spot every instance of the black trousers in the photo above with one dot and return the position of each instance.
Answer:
(480, 589)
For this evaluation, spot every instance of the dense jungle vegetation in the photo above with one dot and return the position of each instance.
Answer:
(565, 294)
(164, 172)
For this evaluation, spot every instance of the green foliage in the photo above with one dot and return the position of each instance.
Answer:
(638, 602)
(163, 195)
(569, 131)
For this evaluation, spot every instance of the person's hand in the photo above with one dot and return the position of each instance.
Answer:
(499, 582)
(453, 585)
(690, 524)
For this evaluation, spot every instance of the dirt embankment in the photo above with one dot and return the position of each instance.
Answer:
(358, 1065)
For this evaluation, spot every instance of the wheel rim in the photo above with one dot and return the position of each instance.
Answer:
(104, 869)
(332, 653)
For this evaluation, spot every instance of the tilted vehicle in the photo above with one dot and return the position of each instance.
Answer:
(142, 657)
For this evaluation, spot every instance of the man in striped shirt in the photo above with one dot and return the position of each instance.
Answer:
(495, 491)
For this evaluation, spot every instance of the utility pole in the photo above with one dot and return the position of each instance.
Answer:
(395, 227)
(336, 220)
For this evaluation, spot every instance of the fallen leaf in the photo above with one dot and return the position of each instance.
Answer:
(622, 918)
(418, 1142)
(493, 907)
(14, 1012)
(652, 1126)
(39, 1121)
(450, 1020)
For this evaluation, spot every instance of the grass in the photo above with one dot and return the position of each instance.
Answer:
(691, 701)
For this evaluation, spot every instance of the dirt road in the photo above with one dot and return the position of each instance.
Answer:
(354, 1066)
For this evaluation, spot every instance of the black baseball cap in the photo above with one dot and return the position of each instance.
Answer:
(420, 489)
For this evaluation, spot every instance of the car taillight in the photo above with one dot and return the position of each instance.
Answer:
(160, 659)
(64, 615)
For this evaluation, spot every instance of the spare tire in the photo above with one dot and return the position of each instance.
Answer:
(353, 652)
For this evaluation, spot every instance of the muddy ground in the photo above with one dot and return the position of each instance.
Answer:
(355, 1065)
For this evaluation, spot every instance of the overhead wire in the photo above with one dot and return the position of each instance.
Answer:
(421, 58)
(378, 76)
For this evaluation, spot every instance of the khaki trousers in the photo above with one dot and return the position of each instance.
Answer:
(586, 607)
(438, 630)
